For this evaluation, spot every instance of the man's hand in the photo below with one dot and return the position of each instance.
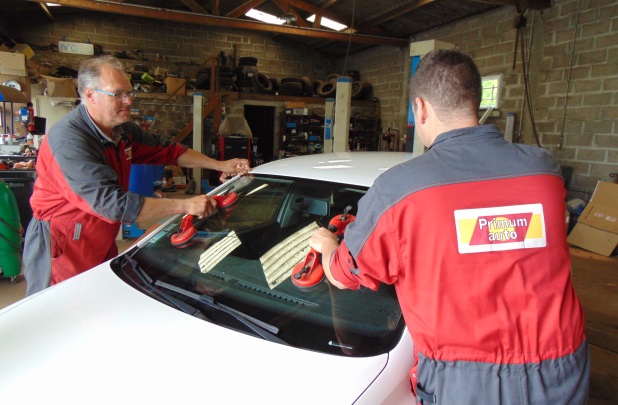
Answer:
(200, 206)
(325, 242)
(233, 167)
(323, 239)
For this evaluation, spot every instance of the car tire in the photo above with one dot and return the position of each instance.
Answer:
(290, 88)
(261, 83)
(247, 61)
(307, 86)
(327, 89)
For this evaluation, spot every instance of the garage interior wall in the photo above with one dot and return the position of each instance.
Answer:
(584, 135)
(186, 47)
(572, 46)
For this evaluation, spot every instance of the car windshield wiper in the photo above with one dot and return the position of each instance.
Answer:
(148, 285)
(260, 328)
(257, 327)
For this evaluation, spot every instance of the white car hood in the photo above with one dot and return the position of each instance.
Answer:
(93, 339)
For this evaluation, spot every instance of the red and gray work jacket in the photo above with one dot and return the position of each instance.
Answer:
(472, 234)
(81, 195)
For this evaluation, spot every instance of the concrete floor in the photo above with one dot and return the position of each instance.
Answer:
(595, 279)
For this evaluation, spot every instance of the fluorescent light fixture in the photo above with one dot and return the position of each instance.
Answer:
(325, 22)
(52, 5)
(271, 19)
(264, 17)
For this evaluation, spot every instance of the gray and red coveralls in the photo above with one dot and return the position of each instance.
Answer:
(81, 195)
(472, 234)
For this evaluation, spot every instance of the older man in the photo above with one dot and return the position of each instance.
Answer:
(81, 193)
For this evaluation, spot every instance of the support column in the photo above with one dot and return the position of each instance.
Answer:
(343, 103)
(329, 118)
(198, 136)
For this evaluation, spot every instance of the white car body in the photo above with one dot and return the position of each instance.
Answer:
(94, 339)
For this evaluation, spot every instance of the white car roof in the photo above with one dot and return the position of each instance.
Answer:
(357, 168)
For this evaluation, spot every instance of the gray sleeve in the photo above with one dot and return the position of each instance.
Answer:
(91, 183)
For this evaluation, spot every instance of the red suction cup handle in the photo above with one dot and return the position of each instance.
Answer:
(225, 200)
(309, 272)
(338, 224)
(186, 231)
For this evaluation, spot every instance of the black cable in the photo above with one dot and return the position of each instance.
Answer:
(521, 36)
(347, 52)
(527, 89)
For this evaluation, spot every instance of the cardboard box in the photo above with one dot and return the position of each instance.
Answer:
(35, 69)
(60, 87)
(25, 49)
(173, 83)
(597, 227)
(13, 64)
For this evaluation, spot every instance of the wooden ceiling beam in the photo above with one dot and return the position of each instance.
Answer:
(210, 20)
(301, 5)
(327, 3)
(46, 11)
(242, 9)
(194, 6)
(300, 21)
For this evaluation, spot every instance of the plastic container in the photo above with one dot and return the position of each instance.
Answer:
(10, 233)
(141, 180)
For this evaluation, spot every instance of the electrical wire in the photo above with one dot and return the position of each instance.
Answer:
(347, 52)
(566, 95)
(527, 96)
(520, 36)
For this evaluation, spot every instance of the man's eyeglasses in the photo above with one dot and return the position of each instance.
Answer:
(123, 95)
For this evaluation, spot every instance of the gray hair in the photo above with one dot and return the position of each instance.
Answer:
(89, 72)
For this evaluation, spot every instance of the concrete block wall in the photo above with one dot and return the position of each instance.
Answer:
(387, 69)
(186, 47)
(574, 99)
(182, 44)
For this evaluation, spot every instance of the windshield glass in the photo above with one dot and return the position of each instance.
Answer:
(244, 257)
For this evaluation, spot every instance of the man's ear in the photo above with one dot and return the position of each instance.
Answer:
(89, 93)
(421, 110)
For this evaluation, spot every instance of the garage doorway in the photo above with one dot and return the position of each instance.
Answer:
(261, 120)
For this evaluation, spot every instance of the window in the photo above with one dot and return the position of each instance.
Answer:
(491, 91)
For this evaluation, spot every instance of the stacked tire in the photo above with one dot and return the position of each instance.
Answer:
(226, 75)
(296, 87)
(328, 87)
(245, 71)
(202, 79)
